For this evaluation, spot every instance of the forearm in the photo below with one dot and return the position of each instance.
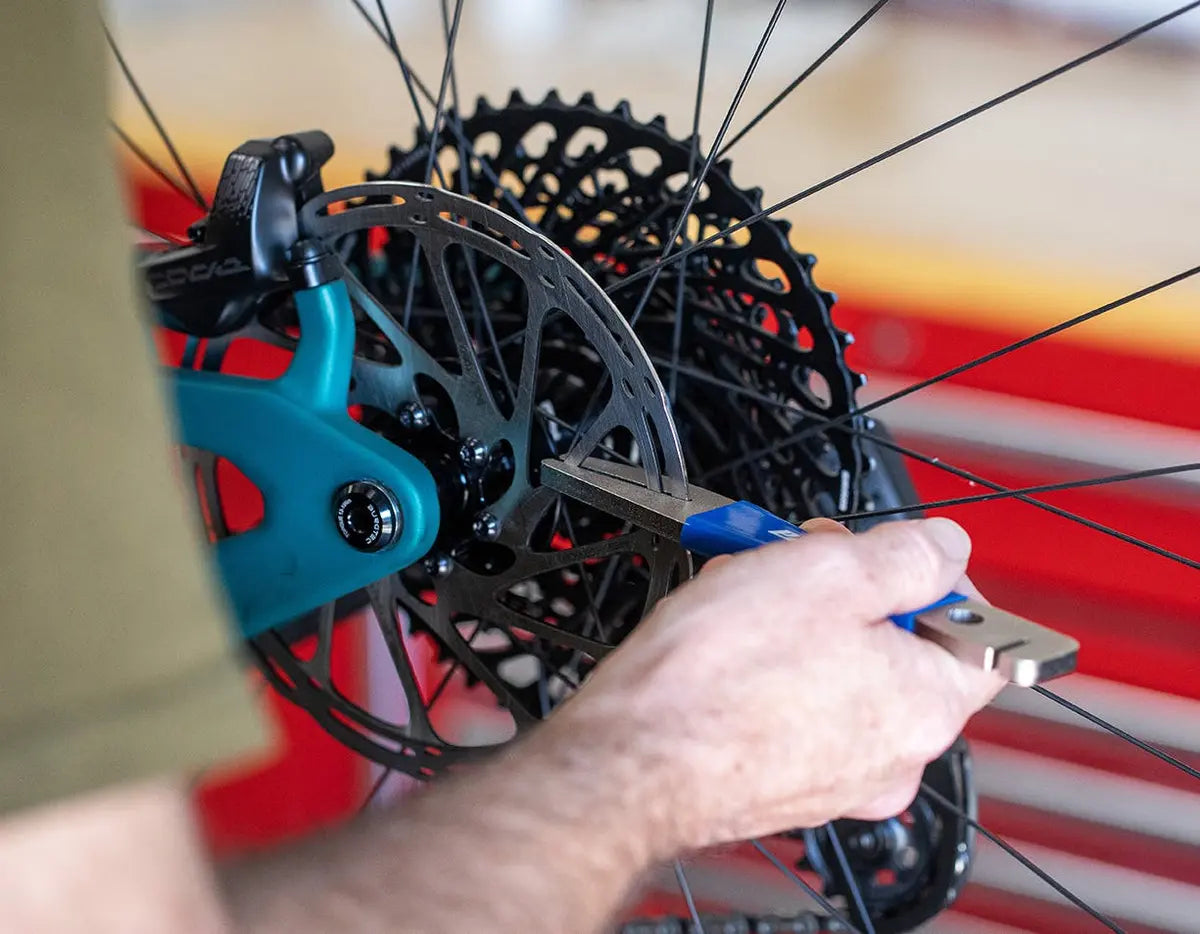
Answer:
(547, 838)
(120, 861)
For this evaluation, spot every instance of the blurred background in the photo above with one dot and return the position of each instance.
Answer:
(1064, 199)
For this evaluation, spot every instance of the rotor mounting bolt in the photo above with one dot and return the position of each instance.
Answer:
(367, 515)
(473, 453)
(907, 857)
(438, 565)
(414, 416)
(486, 527)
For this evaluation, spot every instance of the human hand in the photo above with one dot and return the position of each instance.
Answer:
(771, 692)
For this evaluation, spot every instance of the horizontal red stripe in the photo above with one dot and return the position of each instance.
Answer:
(1025, 825)
(1035, 915)
(159, 208)
(1059, 369)
(1032, 549)
(1082, 747)
(666, 905)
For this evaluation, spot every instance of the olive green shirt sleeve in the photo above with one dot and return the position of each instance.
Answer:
(116, 654)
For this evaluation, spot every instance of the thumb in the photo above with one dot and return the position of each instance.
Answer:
(898, 567)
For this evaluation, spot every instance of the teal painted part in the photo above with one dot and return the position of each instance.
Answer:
(293, 438)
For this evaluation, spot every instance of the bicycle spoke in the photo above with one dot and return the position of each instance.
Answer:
(909, 143)
(1021, 491)
(574, 429)
(813, 893)
(406, 73)
(150, 162)
(453, 126)
(696, 181)
(1117, 731)
(481, 312)
(193, 193)
(448, 36)
(155, 235)
(803, 76)
(928, 459)
(1024, 860)
(390, 41)
(681, 283)
(389, 37)
(1047, 507)
(851, 882)
(375, 789)
(565, 513)
(439, 111)
(687, 897)
(593, 607)
(740, 390)
(441, 686)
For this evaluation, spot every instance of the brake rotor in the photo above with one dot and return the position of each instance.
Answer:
(543, 587)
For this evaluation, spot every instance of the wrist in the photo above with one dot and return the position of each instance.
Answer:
(599, 757)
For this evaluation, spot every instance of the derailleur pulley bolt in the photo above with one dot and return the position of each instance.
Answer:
(486, 527)
(438, 565)
(367, 515)
(414, 416)
(473, 453)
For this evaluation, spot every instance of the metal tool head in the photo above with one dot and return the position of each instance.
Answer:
(620, 490)
(997, 640)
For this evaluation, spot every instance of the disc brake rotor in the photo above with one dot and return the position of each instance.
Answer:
(526, 590)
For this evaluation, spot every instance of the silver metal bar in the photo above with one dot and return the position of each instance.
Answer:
(620, 490)
(995, 639)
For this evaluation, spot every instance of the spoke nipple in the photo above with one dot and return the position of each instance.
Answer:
(473, 453)
(414, 416)
(486, 527)
(438, 565)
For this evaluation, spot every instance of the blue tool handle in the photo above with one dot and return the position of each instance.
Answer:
(741, 526)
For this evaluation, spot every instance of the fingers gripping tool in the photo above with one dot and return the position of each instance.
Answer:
(710, 524)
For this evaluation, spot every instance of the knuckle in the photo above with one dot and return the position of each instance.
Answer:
(913, 550)
(842, 575)
(902, 559)
(828, 561)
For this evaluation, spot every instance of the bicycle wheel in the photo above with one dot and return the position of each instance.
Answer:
(755, 345)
